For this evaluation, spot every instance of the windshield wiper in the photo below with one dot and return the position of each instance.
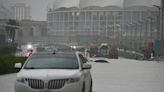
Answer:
(59, 68)
(30, 68)
(69, 68)
(51, 68)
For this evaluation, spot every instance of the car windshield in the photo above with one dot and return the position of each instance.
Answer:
(47, 62)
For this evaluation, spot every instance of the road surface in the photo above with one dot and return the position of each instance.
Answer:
(7, 83)
(121, 75)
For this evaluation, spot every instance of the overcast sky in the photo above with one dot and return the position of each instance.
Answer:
(38, 7)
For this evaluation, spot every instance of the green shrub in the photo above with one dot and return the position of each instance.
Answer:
(7, 64)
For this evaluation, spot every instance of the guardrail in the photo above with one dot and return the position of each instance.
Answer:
(131, 54)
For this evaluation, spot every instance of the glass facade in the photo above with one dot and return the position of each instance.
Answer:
(128, 28)
(83, 22)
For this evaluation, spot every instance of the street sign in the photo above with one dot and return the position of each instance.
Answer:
(162, 47)
(157, 47)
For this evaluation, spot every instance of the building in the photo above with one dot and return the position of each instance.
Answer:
(97, 20)
(2, 32)
(5, 14)
(82, 20)
(21, 12)
(32, 31)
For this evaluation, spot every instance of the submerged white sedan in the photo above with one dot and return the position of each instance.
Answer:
(59, 72)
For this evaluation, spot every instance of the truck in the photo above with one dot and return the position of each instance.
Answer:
(108, 51)
(113, 52)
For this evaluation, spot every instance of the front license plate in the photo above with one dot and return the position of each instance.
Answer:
(45, 91)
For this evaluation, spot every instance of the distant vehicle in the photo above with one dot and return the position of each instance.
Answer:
(29, 52)
(93, 50)
(99, 60)
(78, 48)
(39, 49)
(46, 72)
(28, 49)
(104, 50)
(113, 52)
(108, 51)
(49, 49)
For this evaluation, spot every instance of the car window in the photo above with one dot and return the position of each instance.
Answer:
(52, 62)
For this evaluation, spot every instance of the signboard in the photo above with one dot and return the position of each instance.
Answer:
(157, 47)
(162, 47)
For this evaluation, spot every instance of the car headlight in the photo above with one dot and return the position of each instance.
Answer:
(73, 80)
(21, 80)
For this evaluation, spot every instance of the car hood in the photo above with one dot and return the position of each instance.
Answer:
(48, 73)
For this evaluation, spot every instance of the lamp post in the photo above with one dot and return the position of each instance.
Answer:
(140, 38)
(162, 7)
(145, 24)
(125, 36)
(131, 34)
(128, 40)
(151, 28)
(161, 22)
(135, 35)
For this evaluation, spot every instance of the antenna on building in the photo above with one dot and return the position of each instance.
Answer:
(49, 7)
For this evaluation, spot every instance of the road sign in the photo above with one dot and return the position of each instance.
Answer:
(162, 47)
(157, 47)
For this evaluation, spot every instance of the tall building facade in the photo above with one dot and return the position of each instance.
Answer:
(102, 20)
(5, 14)
(32, 31)
(21, 12)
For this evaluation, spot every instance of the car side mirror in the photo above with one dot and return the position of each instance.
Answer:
(86, 66)
(18, 66)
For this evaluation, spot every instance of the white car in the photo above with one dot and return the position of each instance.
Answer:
(59, 72)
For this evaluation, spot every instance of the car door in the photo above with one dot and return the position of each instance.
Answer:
(87, 74)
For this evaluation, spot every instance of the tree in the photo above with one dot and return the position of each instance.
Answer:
(11, 27)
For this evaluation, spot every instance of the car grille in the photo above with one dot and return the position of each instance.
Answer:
(52, 84)
(35, 83)
(57, 83)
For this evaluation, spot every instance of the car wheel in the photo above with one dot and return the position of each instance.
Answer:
(83, 89)
(90, 90)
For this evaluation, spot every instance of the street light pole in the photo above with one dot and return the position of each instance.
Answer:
(162, 7)
(135, 36)
(151, 29)
(141, 26)
(131, 34)
(160, 23)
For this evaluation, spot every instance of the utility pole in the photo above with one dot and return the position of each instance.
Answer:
(161, 26)
(161, 18)
(159, 22)
(162, 23)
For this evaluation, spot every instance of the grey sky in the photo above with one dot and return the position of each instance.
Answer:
(38, 7)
